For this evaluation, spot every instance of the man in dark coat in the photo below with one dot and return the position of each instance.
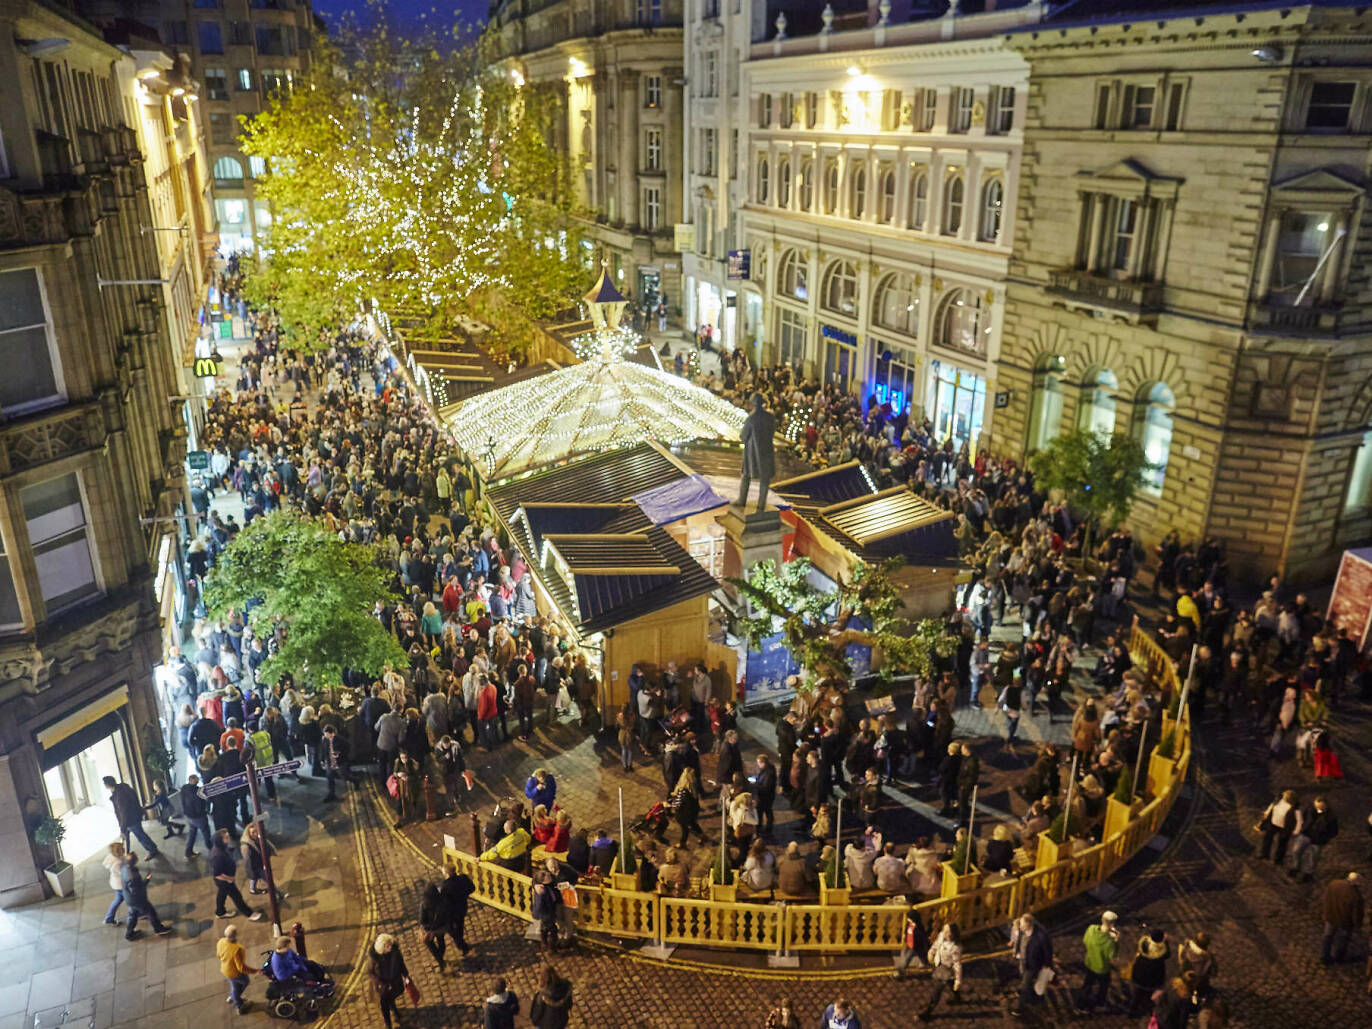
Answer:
(456, 889)
(195, 811)
(135, 886)
(128, 810)
(1343, 916)
(765, 789)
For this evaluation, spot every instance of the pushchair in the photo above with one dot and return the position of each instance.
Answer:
(297, 998)
(655, 820)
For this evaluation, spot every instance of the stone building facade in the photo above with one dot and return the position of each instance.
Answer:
(89, 442)
(616, 68)
(883, 164)
(1190, 266)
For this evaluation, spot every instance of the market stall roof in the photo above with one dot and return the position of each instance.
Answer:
(600, 404)
(842, 503)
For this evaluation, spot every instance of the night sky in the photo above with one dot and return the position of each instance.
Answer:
(409, 12)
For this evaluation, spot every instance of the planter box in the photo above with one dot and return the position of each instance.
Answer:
(623, 881)
(724, 894)
(1160, 772)
(1117, 817)
(61, 877)
(955, 883)
(1051, 853)
(833, 898)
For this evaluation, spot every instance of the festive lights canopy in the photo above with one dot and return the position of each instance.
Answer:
(601, 403)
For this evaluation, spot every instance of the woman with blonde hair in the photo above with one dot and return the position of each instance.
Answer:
(209, 756)
(430, 624)
(685, 805)
(389, 976)
(114, 864)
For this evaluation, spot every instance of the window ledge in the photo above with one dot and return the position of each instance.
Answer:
(1102, 297)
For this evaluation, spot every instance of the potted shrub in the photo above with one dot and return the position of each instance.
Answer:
(625, 875)
(960, 875)
(61, 875)
(722, 884)
(1162, 763)
(1119, 808)
(1054, 843)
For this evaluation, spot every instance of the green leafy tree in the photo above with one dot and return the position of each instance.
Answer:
(323, 588)
(1098, 475)
(413, 173)
(817, 626)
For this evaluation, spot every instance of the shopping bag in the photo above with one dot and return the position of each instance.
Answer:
(412, 991)
(468, 779)
(1041, 981)
(393, 787)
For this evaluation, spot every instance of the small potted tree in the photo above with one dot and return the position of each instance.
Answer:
(61, 874)
(1162, 763)
(1119, 808)
(1054, 843)
(960, 872)
(723, 886)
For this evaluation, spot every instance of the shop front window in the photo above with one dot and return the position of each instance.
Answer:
(958, 404)
(896, 378)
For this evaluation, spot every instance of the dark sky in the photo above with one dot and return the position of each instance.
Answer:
(410, 12)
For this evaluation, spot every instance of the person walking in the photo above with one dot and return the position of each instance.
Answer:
(233, 966)
(1343, 911)
(1101, 942)
(1195, 957)
(135, 888)
(552, 1004)
(333, 758)
(1172, 1010)
(456, 889)
(1318, 828)
(1034, 948)
(433, 920)
(840, 1015)
(685, 805)
(128, 810)
(253, 860)
(545, 908)
(224, 870)
(945, 957)
(500, 1008)
(390, 978)
(1148, 972)
(765, 790)
(1280, 822)
(195, 810)
(915, 944)
(114, 864)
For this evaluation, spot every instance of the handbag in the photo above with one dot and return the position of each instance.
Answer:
(412, 991)
(393, 786)
(1046, 975)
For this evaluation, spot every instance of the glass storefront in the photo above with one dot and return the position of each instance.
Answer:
(73, 765)
(956, 403)
(895, 381)
(840, 356)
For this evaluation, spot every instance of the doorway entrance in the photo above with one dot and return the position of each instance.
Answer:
(72, 773)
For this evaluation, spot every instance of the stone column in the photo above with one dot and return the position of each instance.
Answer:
(1095, 204)
(629, 144)
(1268, 258)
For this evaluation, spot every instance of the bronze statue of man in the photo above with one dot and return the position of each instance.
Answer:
(758, 459)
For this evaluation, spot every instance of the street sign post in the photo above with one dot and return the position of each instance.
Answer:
(224, 785)
(260, 817)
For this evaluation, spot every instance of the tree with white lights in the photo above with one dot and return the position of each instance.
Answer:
(418, 177)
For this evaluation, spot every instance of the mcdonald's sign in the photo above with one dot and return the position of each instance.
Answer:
(206, 368)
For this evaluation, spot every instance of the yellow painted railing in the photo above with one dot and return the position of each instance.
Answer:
(878, 927)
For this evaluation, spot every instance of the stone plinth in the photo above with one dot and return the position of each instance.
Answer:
(750, 536)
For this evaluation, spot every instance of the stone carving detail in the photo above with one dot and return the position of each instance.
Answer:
(28, 445)
(31, 670)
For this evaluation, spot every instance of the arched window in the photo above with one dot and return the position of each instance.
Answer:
(1096, 405)
(783, 183)
(807, 185)
(1153, 426)
(953, 199)
(959, 325)
(1358, 496)
(1045, 402)
(228, 169)
(857, 200)
(992, 208)
(886, 213)
(919, 200)
(831, 186)
(791, 276)
(896, 307)
(763, 173)
(840, 288)
(257, 167)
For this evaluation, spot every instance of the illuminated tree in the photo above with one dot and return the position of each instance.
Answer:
(418, 176)
(817, 625)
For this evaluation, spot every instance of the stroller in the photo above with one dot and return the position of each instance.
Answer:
(297, 998)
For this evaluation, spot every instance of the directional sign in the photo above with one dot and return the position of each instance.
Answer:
(224, 785)
(198, 460)
(280, 768)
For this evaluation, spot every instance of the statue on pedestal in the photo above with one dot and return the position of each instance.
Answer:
(758, 458)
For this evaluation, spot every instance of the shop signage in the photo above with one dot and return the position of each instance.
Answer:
(740, 264)
(1002, 399)
(684, 237)
(198, 460)
(206, 368)
(848, 339)
(224, 329)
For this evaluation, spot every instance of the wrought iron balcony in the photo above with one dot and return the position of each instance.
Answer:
(1273, 318)
(1101, 296)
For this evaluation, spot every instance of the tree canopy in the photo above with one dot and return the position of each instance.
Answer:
(1098, 475)
(422, 177)
(817, 625)
(290, 568)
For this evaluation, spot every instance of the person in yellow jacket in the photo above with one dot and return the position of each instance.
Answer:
(510, 849)
(234, 967)
(1186, 607)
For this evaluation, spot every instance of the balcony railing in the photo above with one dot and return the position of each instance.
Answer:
(1133, 302)
(1278, 319)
